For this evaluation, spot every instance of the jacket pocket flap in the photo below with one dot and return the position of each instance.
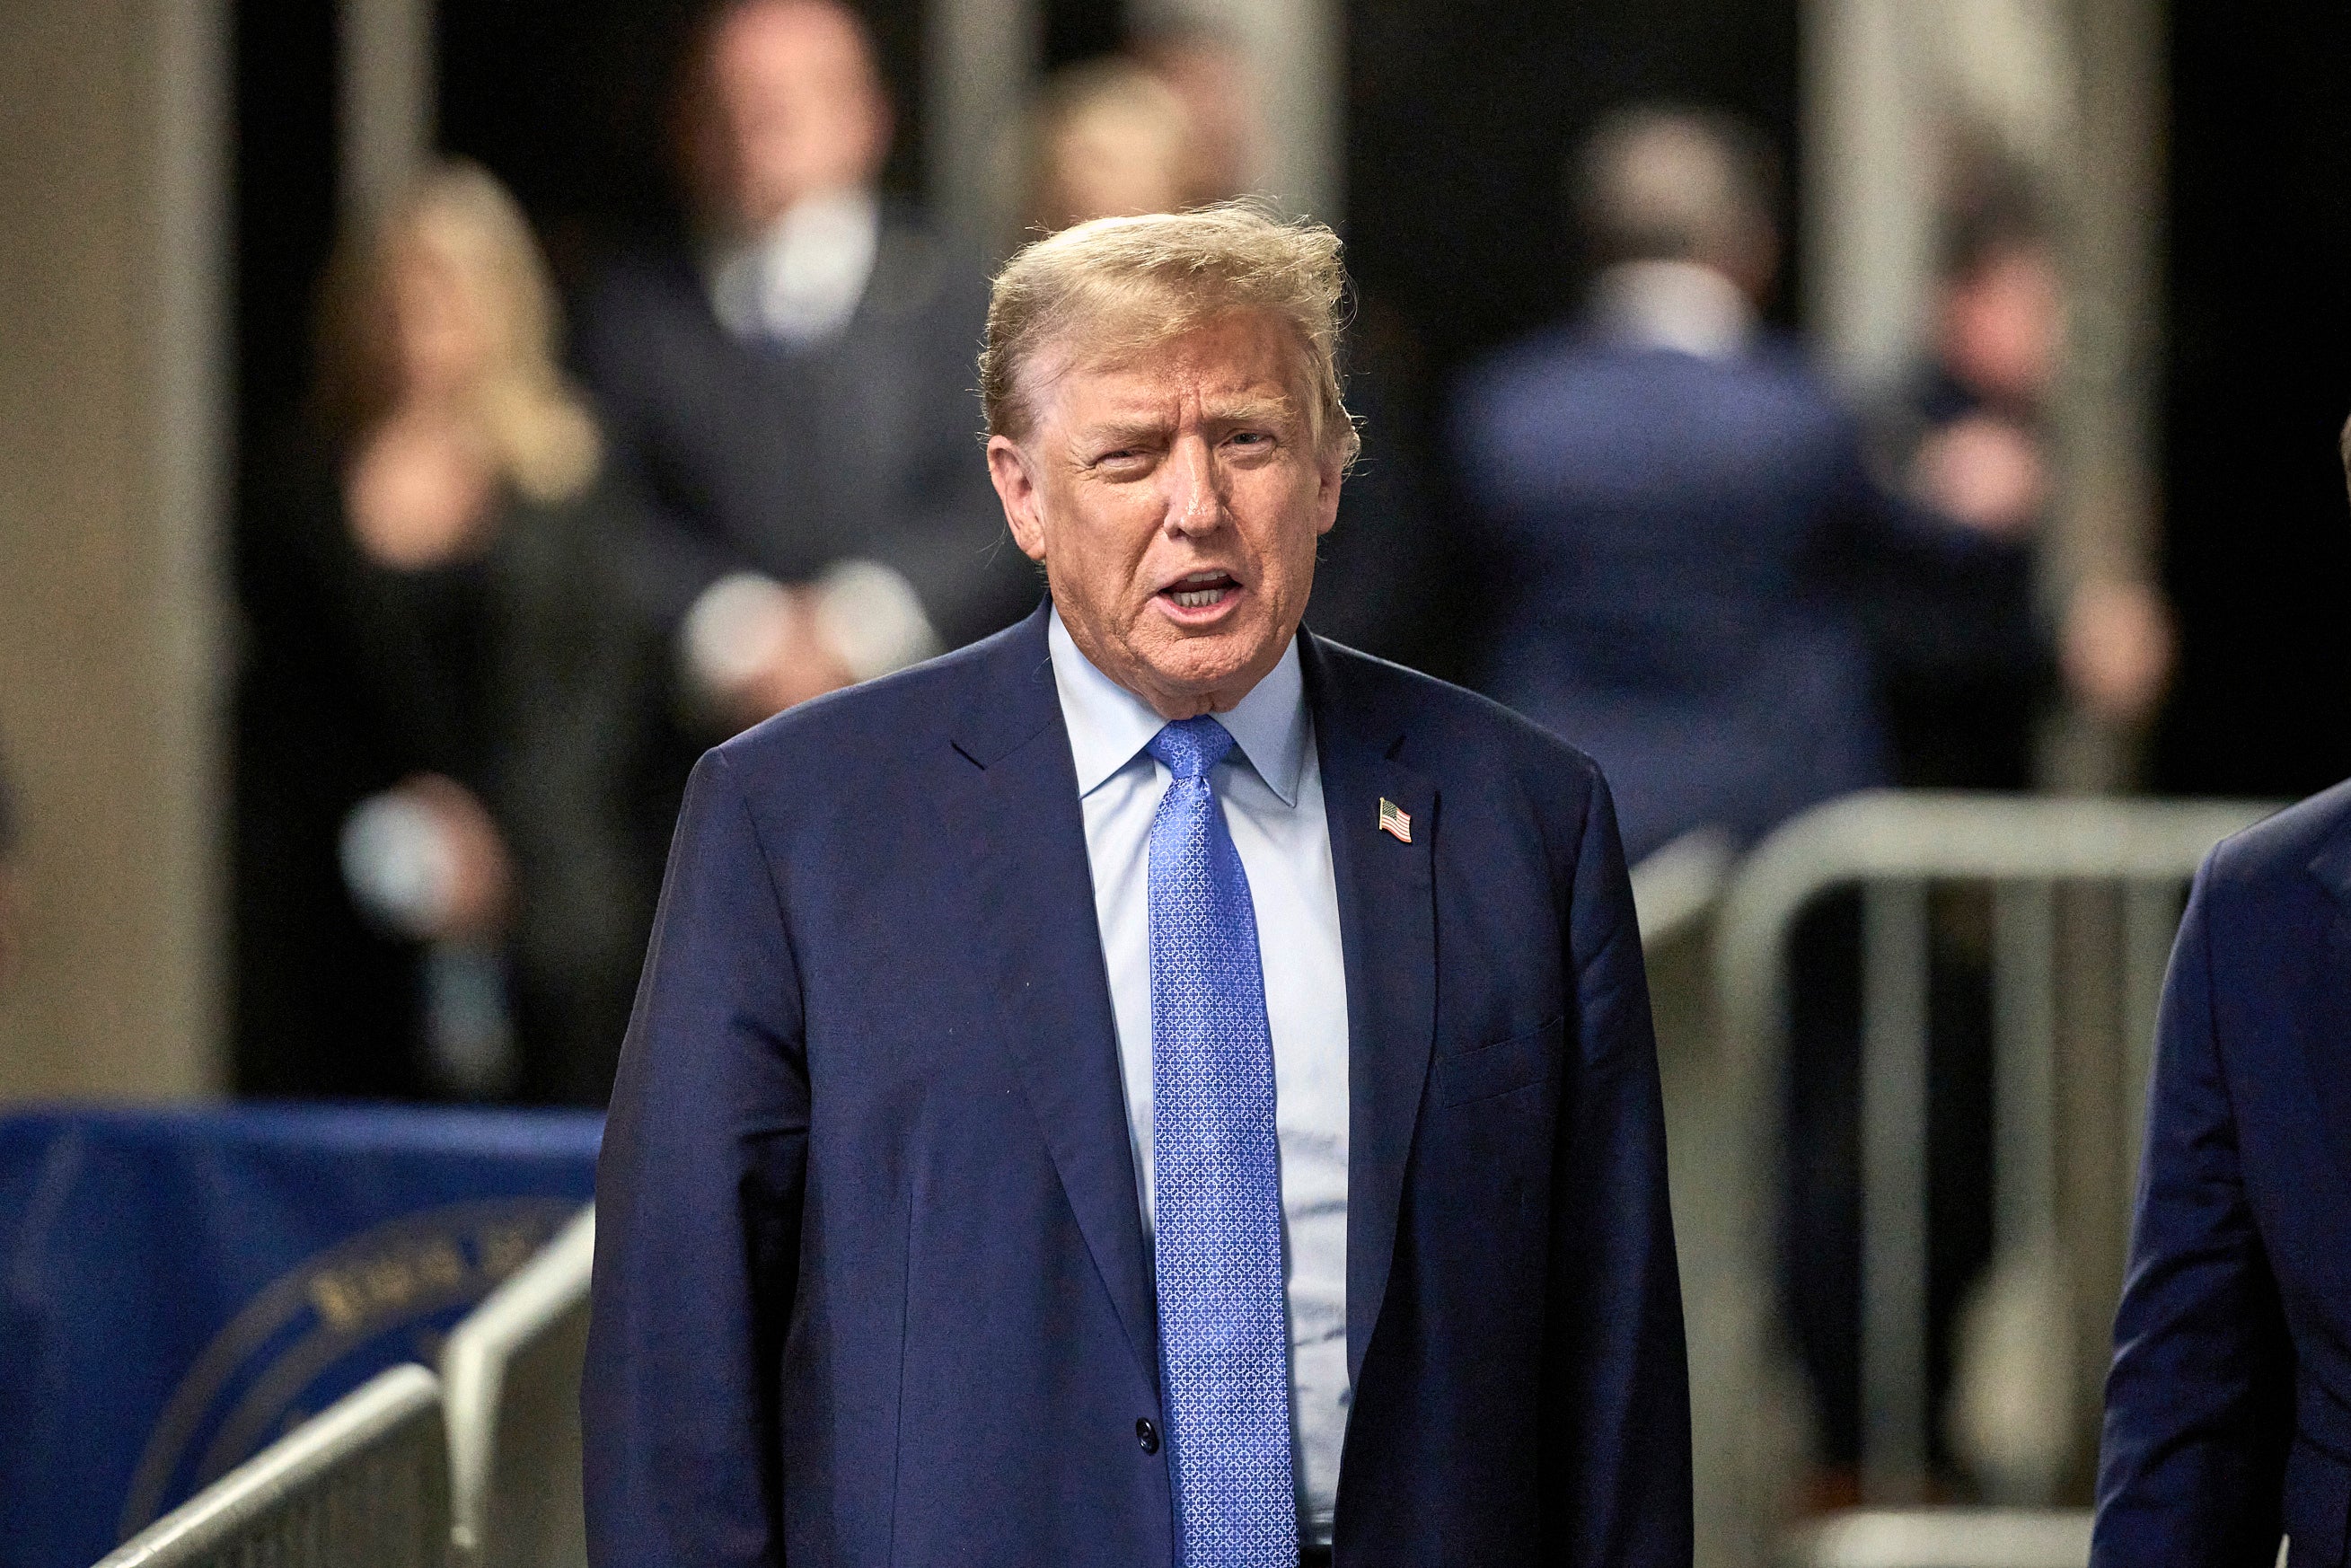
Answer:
(1506, 1065)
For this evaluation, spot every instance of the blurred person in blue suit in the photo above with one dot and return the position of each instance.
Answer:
(1680, 540)
(1155, 1086)
(787, 387)
(1690, 570)
(2229, 1403)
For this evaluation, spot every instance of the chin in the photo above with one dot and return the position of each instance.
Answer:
(1208, 662)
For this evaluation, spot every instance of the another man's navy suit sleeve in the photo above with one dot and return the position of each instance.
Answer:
(2197, 1404)
(1619, 1364)
(697, 1223)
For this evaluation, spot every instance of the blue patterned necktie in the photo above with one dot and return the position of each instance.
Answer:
(1224, 1344)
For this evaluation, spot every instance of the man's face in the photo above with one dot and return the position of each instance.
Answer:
(1175, 499)
(794, 110)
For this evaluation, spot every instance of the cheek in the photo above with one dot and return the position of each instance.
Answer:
(1094, 547)
(1284, 542)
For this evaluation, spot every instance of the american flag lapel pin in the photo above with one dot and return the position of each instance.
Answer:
(1394, 820)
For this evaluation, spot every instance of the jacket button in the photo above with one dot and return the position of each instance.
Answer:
(1146, 1436)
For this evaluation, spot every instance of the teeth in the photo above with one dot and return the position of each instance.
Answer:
(1199, 598)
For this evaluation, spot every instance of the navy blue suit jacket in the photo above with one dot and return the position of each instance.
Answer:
(1692, 575)
(2229, 1406)
(870, 1285)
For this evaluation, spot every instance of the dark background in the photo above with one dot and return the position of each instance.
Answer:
(2259, 321)
(1459, 114)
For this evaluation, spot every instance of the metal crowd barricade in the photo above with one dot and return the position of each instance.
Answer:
(1949, 1538)
(365, 1482)
(511, 1374)
(1895, 847)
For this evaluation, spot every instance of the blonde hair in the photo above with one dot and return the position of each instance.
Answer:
(544, 440)
(1123, 284)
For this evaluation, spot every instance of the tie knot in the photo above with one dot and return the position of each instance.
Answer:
(1191, 747)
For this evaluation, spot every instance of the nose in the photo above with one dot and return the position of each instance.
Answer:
(1190, 489)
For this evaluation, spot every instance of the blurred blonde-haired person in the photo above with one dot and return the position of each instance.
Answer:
(449, 707)
(1110, 139)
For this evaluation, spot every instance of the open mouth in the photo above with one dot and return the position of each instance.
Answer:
(1200, 590)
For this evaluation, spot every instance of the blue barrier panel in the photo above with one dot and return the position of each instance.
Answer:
(179, 1288)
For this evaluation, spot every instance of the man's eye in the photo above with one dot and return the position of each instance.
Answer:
(1250, 438)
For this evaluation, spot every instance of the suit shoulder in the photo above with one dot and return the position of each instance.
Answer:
(1535, 370)
(1450, 727)
(2279, 850)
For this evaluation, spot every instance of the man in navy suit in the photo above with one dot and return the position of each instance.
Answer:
(1154, 1087)
(2229, 1405)
(1689, 567)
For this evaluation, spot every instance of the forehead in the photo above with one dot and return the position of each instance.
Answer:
(1243, 358)
(784, 39)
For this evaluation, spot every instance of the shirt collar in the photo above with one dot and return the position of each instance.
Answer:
(1679, 305)
(1109, 725)
(802, 279)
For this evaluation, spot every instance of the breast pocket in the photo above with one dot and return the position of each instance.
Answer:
(1505, 1067)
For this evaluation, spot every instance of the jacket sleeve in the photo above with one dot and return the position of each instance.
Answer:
(1616, 1368)
(2199, 1408)
(698, 1196)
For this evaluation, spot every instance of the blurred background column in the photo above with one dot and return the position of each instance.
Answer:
(981, 62)
(112, 394)
(1869, 195)
(384, 120)
(2110, 182)
(1297, 50)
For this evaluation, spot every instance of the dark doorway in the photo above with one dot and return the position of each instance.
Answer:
(1461, 119)
(2259, 326)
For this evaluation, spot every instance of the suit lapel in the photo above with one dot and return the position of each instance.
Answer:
(1020, 817)
(1387, 932)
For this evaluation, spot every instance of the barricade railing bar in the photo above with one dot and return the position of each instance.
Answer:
(1947, 1538)
(510, 1374)
(364, 1482)
(1897, 848)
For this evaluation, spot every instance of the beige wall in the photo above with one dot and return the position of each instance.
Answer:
(112, 125)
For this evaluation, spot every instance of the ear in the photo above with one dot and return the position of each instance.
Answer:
(1016, 486)
(1330, 472)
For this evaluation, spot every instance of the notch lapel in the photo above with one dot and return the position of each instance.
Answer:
(1387, 934)
(1041, 958)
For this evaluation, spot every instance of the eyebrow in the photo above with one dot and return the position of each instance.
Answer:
(1255, 411)
(1240, 411)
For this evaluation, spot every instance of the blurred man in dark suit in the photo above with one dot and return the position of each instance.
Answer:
(1677, 533)
(1973, 442)
(1691, 574)
(792, 394)
(2229, 1406)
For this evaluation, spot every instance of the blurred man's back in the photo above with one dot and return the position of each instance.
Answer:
(1672, 513)
(1672, 537)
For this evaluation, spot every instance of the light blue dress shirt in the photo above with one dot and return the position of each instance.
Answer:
(1272, 791)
